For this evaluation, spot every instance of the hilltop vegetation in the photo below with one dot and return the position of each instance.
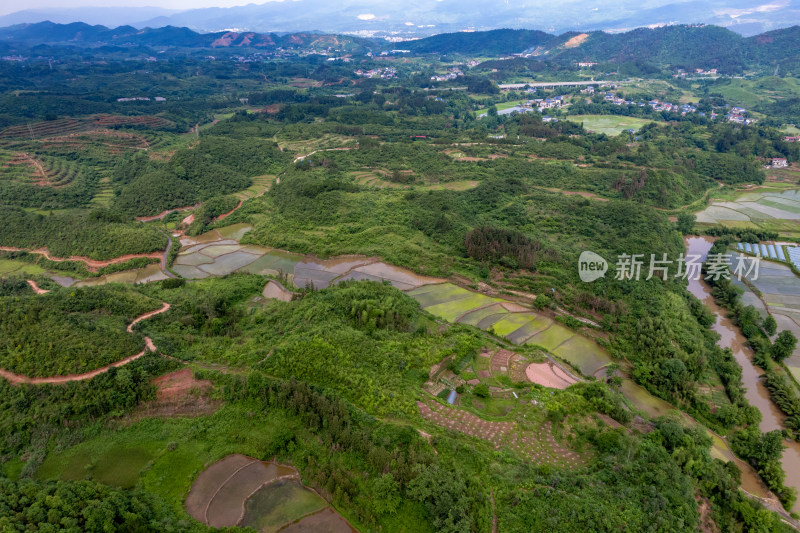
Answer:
(215, 166)
(348, 383)
(98, 235)
(69, 331)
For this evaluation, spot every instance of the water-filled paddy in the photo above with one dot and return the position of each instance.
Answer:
(473, 318)
(514, 322)
(757, 207)
(280, 503)
(243, 491)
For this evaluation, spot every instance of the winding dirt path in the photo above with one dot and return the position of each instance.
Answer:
(223, 216)
(17, 379)
(91, 264)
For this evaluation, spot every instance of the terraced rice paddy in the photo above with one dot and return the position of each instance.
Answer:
(268, 510)
(141, 275)
(515, 323)
(266, 496)
(219, 252)
(548, 375)
(780, 294)
(774, 209)
(259, 186)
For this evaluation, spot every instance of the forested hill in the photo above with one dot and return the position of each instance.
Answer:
(680, 45)
(81, 34)
(687, 46)
(482, 43)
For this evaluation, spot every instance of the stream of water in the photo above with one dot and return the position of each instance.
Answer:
(756, 393)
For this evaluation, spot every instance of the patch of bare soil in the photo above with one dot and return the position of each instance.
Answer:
(576, 41)
(707, 524)
(180, 394)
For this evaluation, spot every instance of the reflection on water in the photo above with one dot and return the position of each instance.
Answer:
(218, 252)
(756, 393)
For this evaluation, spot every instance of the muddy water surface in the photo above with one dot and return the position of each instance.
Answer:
(756, 393)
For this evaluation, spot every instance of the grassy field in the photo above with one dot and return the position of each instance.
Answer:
(164, 455)
(609, 124)
(791, 129)
(14, 266)
(750, 93)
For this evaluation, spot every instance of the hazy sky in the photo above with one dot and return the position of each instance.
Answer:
(11, 7)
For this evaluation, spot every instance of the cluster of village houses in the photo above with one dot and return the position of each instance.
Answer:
(698, 72)
(141, 99)
(452, 73)
(384, 73)
(734, 114)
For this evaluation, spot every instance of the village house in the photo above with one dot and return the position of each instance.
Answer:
(779, 162)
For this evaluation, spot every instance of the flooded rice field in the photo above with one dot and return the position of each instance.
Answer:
(756, 393)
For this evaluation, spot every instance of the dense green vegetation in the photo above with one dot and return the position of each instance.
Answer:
(44, 506)
(335, 382)
(215, 166)
(207, 212)
(98, 235)
(367, 341)
(68, 331)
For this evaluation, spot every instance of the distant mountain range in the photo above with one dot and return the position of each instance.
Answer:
(679, 45)
(82, 34)
(414, 18)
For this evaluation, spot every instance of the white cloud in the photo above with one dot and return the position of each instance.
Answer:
(366, 16)
(764, 8)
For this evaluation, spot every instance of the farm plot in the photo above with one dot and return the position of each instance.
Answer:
(474, 318)
(280, 503)
(219, 252)
(152, 122)
(118, 464)
(548, 375)
(227, 505)
(514, 322)
(772, 208)
(451, 310)
(18, 267)
(242, 491)
(327, 521)
(581, 352)
(538, 446)
(45, 129)
(113, 142)
(41, 171)
(780, 291)
(261, 184)
(609, 124)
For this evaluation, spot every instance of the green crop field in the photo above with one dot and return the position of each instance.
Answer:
(609, 124)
